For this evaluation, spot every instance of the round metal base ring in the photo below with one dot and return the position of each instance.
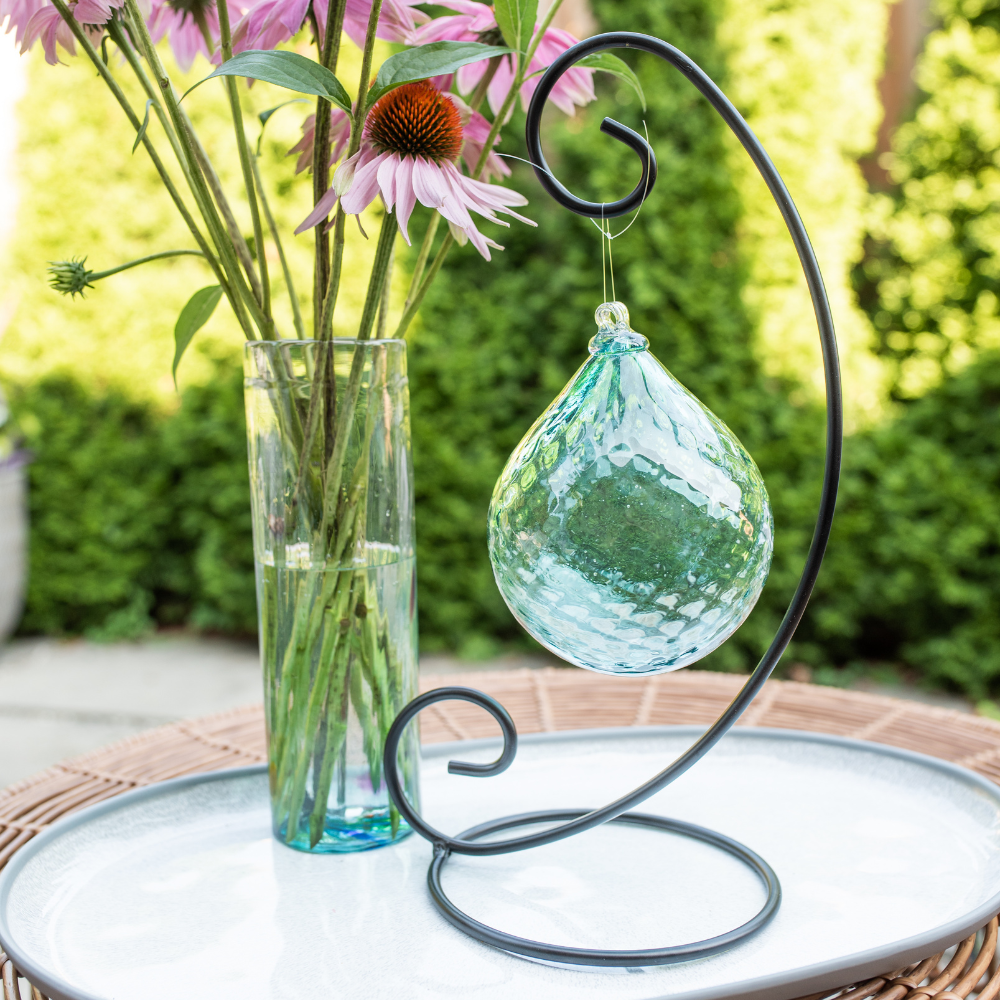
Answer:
(560, 954)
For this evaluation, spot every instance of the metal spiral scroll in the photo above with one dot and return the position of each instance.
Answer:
(572, 822)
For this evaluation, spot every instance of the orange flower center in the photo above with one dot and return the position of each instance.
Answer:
(416, 119)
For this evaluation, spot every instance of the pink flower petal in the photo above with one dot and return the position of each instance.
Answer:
(428, 184)
(387, 179)
(364, 188)
(323, 208)
(405, 196)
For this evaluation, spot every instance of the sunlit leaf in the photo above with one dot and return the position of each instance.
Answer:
(608, 63)
(143, 127)
(265, 116)
(516, 21)
(424, 61)
(193, 317)
(285, 69)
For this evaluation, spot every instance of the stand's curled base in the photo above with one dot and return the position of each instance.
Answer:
(563, 955)
(568, 823)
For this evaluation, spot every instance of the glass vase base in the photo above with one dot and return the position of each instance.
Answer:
(359, 830)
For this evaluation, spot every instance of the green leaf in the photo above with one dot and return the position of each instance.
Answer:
(193, 317)
(423, 61)
(516, 21)
(285, 69)
(608, 63)
(142, 128)
(265, 116)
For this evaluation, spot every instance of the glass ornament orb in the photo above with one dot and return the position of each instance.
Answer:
(630, 532)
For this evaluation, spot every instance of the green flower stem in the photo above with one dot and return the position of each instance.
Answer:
(285, 270)
(522, 62)
(418, 297)
(346, 614)
(97, 275)
(383, 304)
(542, 28)
(380, 271)
(421, 262)
(479, 94)
(243, 147)
(161, 169)
(360, 111)
(115, 30)
(232, 227)
(329, 55)
(300, 696)
(345, 414)
(333, 285)
(184, 133)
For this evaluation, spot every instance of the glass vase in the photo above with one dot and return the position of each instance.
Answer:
(332, 491)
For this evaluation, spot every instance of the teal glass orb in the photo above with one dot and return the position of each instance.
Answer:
(630, 532)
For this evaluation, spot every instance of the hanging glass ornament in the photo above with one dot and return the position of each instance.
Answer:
(630, 531)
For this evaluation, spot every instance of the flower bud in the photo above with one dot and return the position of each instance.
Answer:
(69, 276)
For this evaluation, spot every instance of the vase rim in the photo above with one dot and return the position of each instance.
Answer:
(289, 342)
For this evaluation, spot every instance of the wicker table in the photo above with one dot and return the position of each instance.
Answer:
(546, 701)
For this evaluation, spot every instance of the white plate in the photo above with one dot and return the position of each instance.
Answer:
(884, 856)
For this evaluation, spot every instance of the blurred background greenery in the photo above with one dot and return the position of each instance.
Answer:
(139, 496)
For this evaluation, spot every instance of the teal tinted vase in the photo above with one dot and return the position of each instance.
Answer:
(336, 583)
(630, 531)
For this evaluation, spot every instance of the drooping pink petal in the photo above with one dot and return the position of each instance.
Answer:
(397, 19)
(186, 38)
(575, 86)
(47, 26)
(387, 179)
(405, 195)
(95, 11)
(18, 13)
(456, 28)
(340, 136)
(323, 208)
(364, 188)
(428, 184)
(268, 23)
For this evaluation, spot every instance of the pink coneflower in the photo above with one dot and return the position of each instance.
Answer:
(187, 22)
(412, 138)
(40, 21)
(340, 136)
(575, 87)
(268, 23)
(18, 13)
(475, 131)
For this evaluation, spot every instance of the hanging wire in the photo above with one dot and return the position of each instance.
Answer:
(604, 226)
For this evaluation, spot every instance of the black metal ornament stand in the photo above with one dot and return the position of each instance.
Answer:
(571, 822)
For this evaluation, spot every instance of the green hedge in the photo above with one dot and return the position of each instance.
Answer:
(138, 518)
(140, 514)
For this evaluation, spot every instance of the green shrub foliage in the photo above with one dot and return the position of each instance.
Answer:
(137, 518)
(140, 517)
(913, 573)
(931, 279)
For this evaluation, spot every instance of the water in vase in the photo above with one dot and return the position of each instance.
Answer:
(337, 652)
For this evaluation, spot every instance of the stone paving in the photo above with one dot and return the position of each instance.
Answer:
(61, 698)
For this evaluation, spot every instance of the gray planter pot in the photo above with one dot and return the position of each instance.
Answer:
(13, 542)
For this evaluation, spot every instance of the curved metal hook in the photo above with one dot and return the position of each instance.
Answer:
(831, 475)
(454, 766)
(632, 139)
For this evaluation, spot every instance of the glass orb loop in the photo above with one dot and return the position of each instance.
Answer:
(630, 531)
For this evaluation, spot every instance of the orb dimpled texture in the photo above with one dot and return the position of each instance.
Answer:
(630, 531)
